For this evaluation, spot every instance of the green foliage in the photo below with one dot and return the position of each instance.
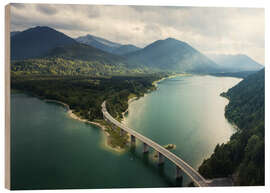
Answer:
(251, 171)
(246, 107)
(241, 74)
(243, 155)
(71, 67)
(83, 77)
(85, 94)
(84, 52)
(116, 139)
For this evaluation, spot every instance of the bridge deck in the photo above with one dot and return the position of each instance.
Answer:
(193, 174)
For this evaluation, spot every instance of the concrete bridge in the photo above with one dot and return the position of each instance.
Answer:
(162, 152)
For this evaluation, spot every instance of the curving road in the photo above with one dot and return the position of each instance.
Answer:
(193, 174)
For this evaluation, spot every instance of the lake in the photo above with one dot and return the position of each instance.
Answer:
(50, 150)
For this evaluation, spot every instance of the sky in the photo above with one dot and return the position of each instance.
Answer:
(210, 30)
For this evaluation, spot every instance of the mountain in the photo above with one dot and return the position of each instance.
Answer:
(235, 63)
(50, 52)
(243, 157)
(75, 60)
(98, 42)
(125, 49)
(172, 55)
(37, 42)
(106, 45)
(87, 53)
(13, 33)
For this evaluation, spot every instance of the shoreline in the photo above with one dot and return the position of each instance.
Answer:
(132, 99)
(107, 146)
(105, 141)
(235, 127)
(168, 77)
(155, 83)
(73, 115)
(99, 125)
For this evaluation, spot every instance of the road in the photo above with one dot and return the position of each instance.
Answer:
(192, 173)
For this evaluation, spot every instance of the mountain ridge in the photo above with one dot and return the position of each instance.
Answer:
(172, 55)
(86, 53)
(107, 45)
(235, 63)
(36, 42)
(13, 33)
(98, 42)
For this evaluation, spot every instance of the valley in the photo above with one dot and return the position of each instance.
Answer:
(83, 72)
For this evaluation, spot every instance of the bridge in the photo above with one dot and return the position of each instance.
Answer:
(162, 152)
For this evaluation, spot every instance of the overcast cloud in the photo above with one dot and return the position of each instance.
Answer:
(210, 30)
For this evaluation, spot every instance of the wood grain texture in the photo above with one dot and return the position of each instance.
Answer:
(7, 97)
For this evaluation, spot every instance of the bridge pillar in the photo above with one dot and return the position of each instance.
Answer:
(133, 140)
(145, 148)
(178, 172)
(121, 132)
(160, 158)
(113, 126)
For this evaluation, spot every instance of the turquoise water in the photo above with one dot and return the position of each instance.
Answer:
(50, 150)
(186, 111)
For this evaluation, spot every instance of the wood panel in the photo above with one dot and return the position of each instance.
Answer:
(7, 97)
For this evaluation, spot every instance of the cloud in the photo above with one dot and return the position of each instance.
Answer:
(17, 5)
(93, 13)
(46, 9)
(210, 30)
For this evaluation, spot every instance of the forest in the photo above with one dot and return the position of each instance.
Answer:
(85, 94)
(83, 77)
(242, 158)
(85, 84)
(71, 67)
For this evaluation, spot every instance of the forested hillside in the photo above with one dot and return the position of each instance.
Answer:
(106, 45)
(125, 49)
(42, 47)
(36, 42)
(243, 156)
(76, 59)
(85, 94)
(43, 50)
(172, 55)
(235, 63)
(86, 53)
(98, 42)
(62, 66)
